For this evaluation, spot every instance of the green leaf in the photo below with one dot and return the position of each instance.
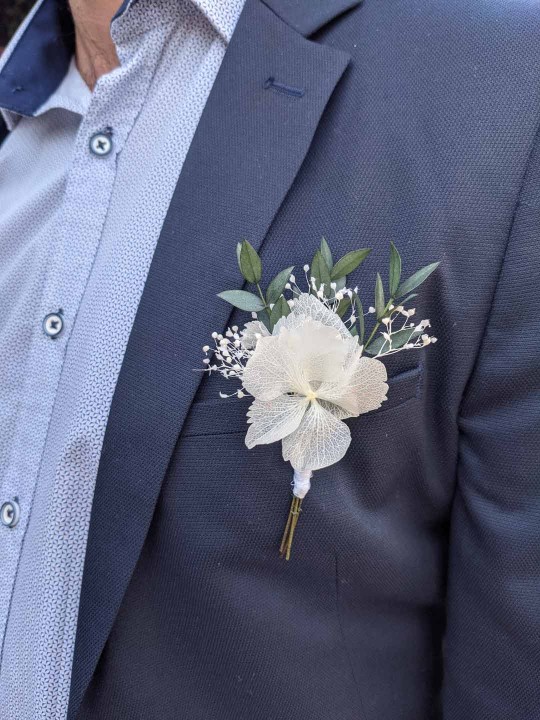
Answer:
(348, 263)
(409, 297)
(277, 286)
(399, 338)
(320, 271)
(379, 298)
(242, 300)
(341, 283)
(264, 317)
(394, 275)
(360, 315)
(238, 250)
(326, 253)
(280, 309)
(343, 306)
(354, 331)
(417, 279)
(250, 263)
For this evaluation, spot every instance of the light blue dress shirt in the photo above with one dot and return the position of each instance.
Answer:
(85, 183)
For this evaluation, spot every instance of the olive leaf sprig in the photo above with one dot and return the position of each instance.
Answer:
(328, 280)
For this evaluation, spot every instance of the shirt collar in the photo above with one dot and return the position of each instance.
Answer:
(72, 94)
(37, 59)
(221, 14)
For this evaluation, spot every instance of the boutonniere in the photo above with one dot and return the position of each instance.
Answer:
(307, 359)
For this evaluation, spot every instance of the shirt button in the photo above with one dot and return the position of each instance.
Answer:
(53, 324)
(101, 143)
(10, 513)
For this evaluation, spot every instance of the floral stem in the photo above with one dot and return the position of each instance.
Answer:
(370, 338)
(287, 528)
(290, 527)
(262, 297)
(378, 324)
(296, 515)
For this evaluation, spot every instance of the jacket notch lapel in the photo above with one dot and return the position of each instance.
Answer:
(308, 16)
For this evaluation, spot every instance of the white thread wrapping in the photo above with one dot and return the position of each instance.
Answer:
(301, 483)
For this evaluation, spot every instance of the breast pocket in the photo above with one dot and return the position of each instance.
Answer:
(234, 501)
(247, 492)
(214, 417)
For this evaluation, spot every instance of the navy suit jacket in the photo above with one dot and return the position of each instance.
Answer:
(413, 592)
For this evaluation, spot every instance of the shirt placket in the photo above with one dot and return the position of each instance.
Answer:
(74, 240)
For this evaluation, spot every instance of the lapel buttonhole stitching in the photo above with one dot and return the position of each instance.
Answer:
(271, 84)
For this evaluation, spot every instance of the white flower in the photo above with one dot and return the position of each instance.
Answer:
(306, 378)
(252, 332)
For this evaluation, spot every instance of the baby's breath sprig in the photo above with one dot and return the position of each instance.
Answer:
(229, 357)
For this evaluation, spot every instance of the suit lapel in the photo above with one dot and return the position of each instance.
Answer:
(248, 147)
(308, 16)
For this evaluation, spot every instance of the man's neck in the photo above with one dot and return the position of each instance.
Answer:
(95, 53)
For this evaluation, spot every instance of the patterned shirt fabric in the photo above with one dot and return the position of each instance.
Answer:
(77, 235)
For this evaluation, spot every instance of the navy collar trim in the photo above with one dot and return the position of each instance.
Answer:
(39, 60)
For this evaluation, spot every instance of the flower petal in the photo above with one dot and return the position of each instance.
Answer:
(267, 374)
(307, 306)
(274, 419)
(339, 412)
(320, 440)
(364, 389)
(317, 351)
(251, 331)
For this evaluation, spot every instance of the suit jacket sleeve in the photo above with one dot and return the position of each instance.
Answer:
(492, 647)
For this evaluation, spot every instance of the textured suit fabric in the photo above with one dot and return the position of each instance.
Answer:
(413, 591)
